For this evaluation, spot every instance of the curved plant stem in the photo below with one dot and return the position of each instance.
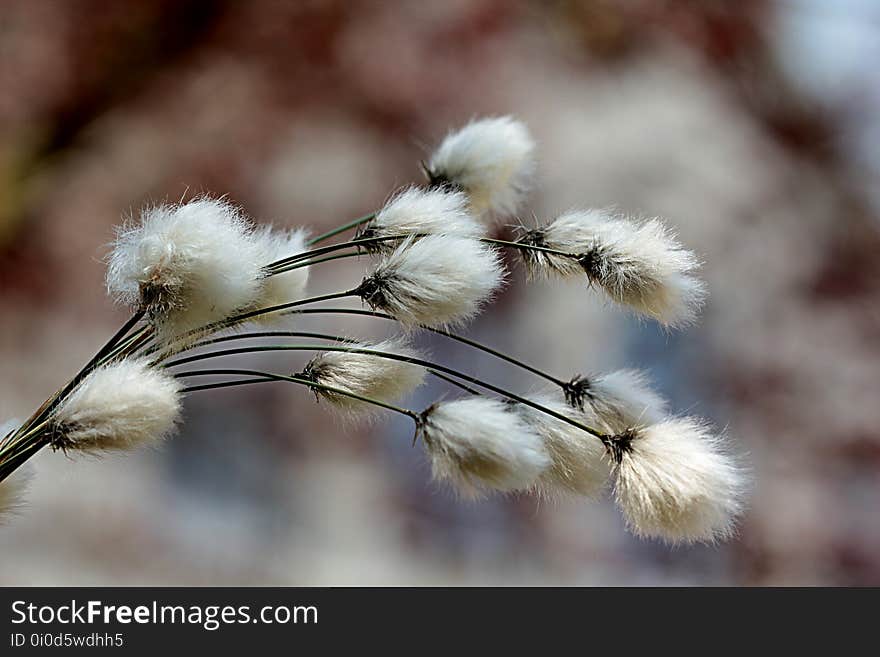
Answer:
(438, 331)
(294, 379)
(341, 229)
(168, 349)
(304, 259)
(280, 266)
(30, 436)
(391, 356)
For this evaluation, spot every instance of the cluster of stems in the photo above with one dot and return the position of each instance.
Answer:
(136, 338)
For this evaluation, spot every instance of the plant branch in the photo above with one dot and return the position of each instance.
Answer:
(391, 356)
(293, 379)
(341, 229)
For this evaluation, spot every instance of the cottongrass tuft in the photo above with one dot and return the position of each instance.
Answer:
(118, 406)
(491, 160)
(579, 463)
(187, 265)
(366, 375)
(14, 487)
(13, 490)
(618, 400)
(417, 211)
(479, 444)
(285, 287)
(676, 481)
(639, 264)
(437, 280)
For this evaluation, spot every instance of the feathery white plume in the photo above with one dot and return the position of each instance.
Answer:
(13, 490)
(14, 487)
(619, 400)
(480, 443)
(187, 265)
(436, 280)
(579, 463)
(287, 286)
(490, 159)
(676, 482)
(419, 211)
(366, 375)
(638, 263)
(121, 405)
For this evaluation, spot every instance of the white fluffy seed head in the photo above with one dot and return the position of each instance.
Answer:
(639, 264)
(436, 280)
(119, 406)
(285, 287)
(14, 487)
(366, 375)
(578, 460)
(426, 212)
(491, 160)
(479, 444)
(618, 400)
(13, 490)
(187, 265)
(675, 481)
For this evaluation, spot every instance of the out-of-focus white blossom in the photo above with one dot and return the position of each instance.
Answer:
(480, 444)
(579, 463)
(187, 265)
(119, 406)
(490, 159)
(13, 490)
(367, 375)
(619, 400)
(639, 264)
(435, 280)
(418, 211)
(285, 287)
(675, 481)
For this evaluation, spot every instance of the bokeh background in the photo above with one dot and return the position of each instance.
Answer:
(752, 126)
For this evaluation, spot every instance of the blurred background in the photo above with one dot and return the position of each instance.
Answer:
(752, 126)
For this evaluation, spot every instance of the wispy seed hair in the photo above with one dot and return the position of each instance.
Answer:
(491, 160)
(416, 211)
(638, 263)
(677, 481)
(619, 400)
(119, 406)
(437, 280)
(366, 375)
(187, 264)
(285, 287)
(13, 490)
(480, 444)
(579, 464)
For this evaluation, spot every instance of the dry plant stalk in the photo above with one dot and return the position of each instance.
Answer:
(192, 271)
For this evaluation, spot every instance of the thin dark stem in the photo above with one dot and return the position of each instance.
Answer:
(279, 266)
(457, 384)
(62, 394)
(309, 263)
(121, 333)
(226, 384)
(229, 384)
(14, 452)
(130, 345)
(231, 321)
(306, 382)
(438, 331)
(528, 247)
(391, 356)
(341, 229)
(303, 259)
